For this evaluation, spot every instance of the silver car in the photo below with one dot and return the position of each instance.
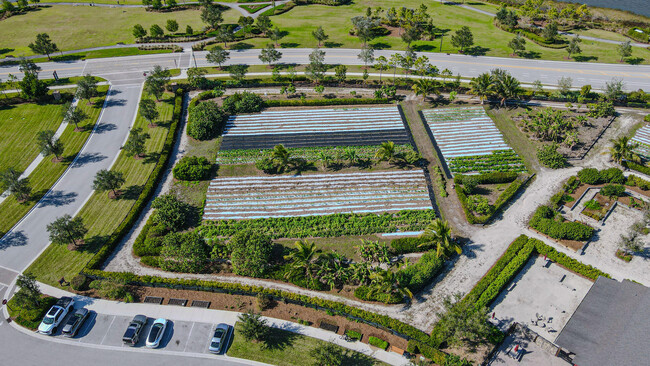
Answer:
(75, 322)
(219, 338)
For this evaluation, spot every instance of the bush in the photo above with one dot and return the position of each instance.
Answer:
(30, 318)
(545, 220)
(244, 102)
(601, 109)
(192, 168)
(251, 252)
(634, 166)
(205, 121)
(415, 277)
(184, 252)
(379, 343)
(550, 157)
(593, 205)
(589, 176)
(636, 181)
(322, 102)
(78, 282)
(353, 334)
(263, 302)
(408, 245)
(647, 118)
(613, 190)
(363, 293)
(613, 175)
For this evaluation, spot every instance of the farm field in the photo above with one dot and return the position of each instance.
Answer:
(316, 194)
(470, 142)
(642, 137)
(315, 127)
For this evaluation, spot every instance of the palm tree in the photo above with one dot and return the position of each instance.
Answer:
(424, 87)
(383, 281)
(302, 258)
(386, 151)
(282, 156)
(351, 155)
(438, 233)
(623, 149)
(506, 87)
(482, 86)
(325, 159)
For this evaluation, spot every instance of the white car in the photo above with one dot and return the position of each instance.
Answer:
(55, 315)
(156, 333)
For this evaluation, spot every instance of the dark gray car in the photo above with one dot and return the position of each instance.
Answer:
(75, 322)
(132, 334)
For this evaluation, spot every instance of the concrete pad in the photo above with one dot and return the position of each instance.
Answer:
(116, 331)
(176, 335)
(200, 338)
(538, 290)
(96, 328)
(533, 355)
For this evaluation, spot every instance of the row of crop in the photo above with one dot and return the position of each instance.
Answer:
(634, 166)
(148, 190)
(506, 160)
(323, 226)
(500, 202)
(322, 102)
(248, 156)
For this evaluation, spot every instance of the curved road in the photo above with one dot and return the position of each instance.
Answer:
(527, 71)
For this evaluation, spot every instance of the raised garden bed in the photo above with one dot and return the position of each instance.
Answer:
(329, 327)
(377, 342)
(621, 254)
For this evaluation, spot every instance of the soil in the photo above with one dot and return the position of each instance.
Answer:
(278, 309)
(152, 125)
(113, 195)
(57, 160)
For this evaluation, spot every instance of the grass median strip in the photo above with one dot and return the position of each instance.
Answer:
(47, 172)
(103, 215)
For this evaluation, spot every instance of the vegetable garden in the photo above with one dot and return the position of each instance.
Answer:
(316, 194)
(642, 138)
(470, 142)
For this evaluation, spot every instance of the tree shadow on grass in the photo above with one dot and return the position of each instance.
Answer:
(5, 50)
(332, 44)
(635, 60)
(151, 158)
(279, 339)
(477, 51)
(131, 192)
(241, 46)
(357, 359)
(380, 45)
(531, 54)
(424, 48)
(289, 45)
(92, 244)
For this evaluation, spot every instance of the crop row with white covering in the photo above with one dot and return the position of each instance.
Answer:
(315, 127)
(466, 137)
(642, 137)
(316, 194)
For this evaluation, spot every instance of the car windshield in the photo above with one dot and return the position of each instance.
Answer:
(218, 333)
(72, 320)
(130, 331)
(153, 334)
(48, 320)
(214, 344)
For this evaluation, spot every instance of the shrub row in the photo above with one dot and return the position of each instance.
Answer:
(595, 176)
(501, 201)
(363, 293)
(147, 191)
(638, 167)
(320, 102)
(635, 181)
(545, 220)
(488, 178)
(402, 329)
(437, 356)
(568, 262)
(415, 277)
(377, 342)
(407, 245)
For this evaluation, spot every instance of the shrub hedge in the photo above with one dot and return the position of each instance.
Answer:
(192, 168)
(353, 334)
(545, 220)
(30, 318)
(320, 102)
(638, 167)
(148, 190)
(407, 245)
(504, 198)
(377, 342)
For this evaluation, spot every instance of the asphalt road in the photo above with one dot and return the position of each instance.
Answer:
(20, 349)
(25, 241)
(125, 69)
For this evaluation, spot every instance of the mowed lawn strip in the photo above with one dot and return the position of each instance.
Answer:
(47, 172)
(102, 215)
(78, 27)
(287, 349)
(19, 127)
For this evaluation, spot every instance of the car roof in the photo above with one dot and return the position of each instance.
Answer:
(53, 311)
(81, 311)
(140, 318)
(223, 326)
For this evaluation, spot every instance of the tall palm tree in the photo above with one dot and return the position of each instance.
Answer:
(481, 86)
(386, 151)
(424, 87)
(438, 233)
(506, 87)
(302, 258)
(383, 281)
(623, 149)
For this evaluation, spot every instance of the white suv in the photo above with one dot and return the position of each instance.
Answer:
(55, 315)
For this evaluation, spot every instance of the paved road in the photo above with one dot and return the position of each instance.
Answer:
(527, 71)
(23, 243)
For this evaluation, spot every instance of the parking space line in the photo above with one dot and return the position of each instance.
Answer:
(107, 330)
(189, 336)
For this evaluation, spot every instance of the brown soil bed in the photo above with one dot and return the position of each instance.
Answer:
(243, 170)
(278, 309)
(605, 204)
(587, 134)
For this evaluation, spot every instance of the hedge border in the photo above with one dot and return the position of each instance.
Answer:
(149, 188)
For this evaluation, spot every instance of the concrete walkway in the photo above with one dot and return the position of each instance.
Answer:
(210, 316)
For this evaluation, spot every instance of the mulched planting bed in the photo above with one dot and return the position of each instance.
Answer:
(314, 139)
(279, 310)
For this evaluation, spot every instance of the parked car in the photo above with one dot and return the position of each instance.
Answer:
(132, 334)
(55, 315)
(75, 322)
(156, 333)
(219, 338)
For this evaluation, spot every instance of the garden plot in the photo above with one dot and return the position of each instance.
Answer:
(470, 142)
(316, 194)
(642, 137)
(315, 127)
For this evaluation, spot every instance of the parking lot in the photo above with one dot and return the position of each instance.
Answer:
(107, 330)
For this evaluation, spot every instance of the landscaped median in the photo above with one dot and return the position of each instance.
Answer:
(109, 219)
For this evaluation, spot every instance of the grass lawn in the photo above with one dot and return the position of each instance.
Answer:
(287, 349)
(102, 215)
(600, 33)
(525, 147)
(489, 40)
(47, 172)
(19, 127)
(84, 26)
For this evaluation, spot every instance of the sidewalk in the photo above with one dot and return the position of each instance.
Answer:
(188, 314)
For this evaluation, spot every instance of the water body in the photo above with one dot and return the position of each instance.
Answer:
(641, 7)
